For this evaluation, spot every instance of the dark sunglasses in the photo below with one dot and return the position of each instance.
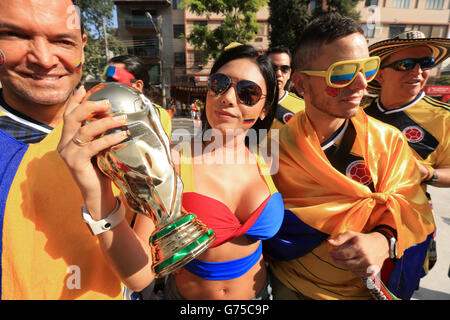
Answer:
(284, 68)
(409, 64)
(247, 91)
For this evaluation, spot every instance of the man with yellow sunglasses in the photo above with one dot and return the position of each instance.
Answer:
(353, 204)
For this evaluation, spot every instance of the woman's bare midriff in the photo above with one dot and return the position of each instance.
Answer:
(246, 287)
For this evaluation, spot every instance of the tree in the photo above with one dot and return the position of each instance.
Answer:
(239, 25)
(93, 12)
(288, 18)
(344, 7)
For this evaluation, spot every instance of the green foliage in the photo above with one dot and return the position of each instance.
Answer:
(443, 80)
(288, 18)
(344, 7)
(92, 12)
(239, 25)
(95, 57)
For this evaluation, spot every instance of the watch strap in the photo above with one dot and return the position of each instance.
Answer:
(112, 220)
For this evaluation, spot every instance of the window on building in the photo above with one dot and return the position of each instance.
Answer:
(262, 29)
(144, 46)
(369, 3)
(396, 29)
(432, 31)
(178, 30)
(198, 60)
(369, 30)
(434, 4)
(401, 3)
(139, 19)
(180, 59)
(201, 23)
(154, 73)
(176, 4)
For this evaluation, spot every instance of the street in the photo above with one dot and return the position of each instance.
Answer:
(435, 285)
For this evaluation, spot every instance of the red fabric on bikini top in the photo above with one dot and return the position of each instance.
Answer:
(224, 223)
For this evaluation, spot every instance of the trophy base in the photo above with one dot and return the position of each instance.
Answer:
(178, 243)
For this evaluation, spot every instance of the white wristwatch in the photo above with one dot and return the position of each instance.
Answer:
(113, 219)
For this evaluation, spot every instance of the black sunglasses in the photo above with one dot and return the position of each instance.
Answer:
(248, 92)
(409, 64)
(283, 68)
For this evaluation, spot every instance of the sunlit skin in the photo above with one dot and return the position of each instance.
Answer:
(42, 48)
(281, 59)
(225, 111)
(328, 111)
(401, 87)
(128, 248)
(398, 88)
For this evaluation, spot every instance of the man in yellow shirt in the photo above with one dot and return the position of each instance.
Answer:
(288, 102)
(406, 62)
(353, 203)
(46, 250)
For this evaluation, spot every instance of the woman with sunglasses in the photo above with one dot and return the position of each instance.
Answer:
(236, 199)
(131, 70)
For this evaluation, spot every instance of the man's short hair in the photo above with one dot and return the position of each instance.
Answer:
(279, 49)
(323, 30)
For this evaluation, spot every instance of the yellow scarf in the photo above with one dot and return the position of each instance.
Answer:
(332, 203)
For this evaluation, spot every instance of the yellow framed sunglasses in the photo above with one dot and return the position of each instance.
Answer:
(340, 74)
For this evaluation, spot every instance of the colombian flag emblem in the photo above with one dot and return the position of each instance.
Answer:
(78, 64)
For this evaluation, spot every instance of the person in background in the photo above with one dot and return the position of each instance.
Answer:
(406, 63)
(235, 199)
(131, 70)
(288, 102)
(353, 203)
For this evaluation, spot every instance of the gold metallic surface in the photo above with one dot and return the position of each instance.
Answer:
(142, 168)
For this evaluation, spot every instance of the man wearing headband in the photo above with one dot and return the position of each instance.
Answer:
(46, 251)
(131, 70)
(288, 102)
(353, 204)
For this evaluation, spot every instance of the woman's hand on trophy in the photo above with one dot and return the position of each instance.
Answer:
(81, 141)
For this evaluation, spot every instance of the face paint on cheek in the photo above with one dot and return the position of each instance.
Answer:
(78, 64)
(332, 92)
(249, 120)
(2, 58)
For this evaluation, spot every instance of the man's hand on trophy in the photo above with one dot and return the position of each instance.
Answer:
(81, 141)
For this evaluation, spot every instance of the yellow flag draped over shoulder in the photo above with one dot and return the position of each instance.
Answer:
(333, 203)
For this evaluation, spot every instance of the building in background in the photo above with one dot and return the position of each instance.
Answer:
(190, 73)
(177, 69)
(383, 19)
(145, 27)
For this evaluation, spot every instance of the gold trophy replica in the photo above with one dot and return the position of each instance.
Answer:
(142, 168)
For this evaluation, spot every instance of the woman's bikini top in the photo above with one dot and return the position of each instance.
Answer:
(262, 224)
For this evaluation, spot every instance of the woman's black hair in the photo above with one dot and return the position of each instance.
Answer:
(266, 67)
(136, 66)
